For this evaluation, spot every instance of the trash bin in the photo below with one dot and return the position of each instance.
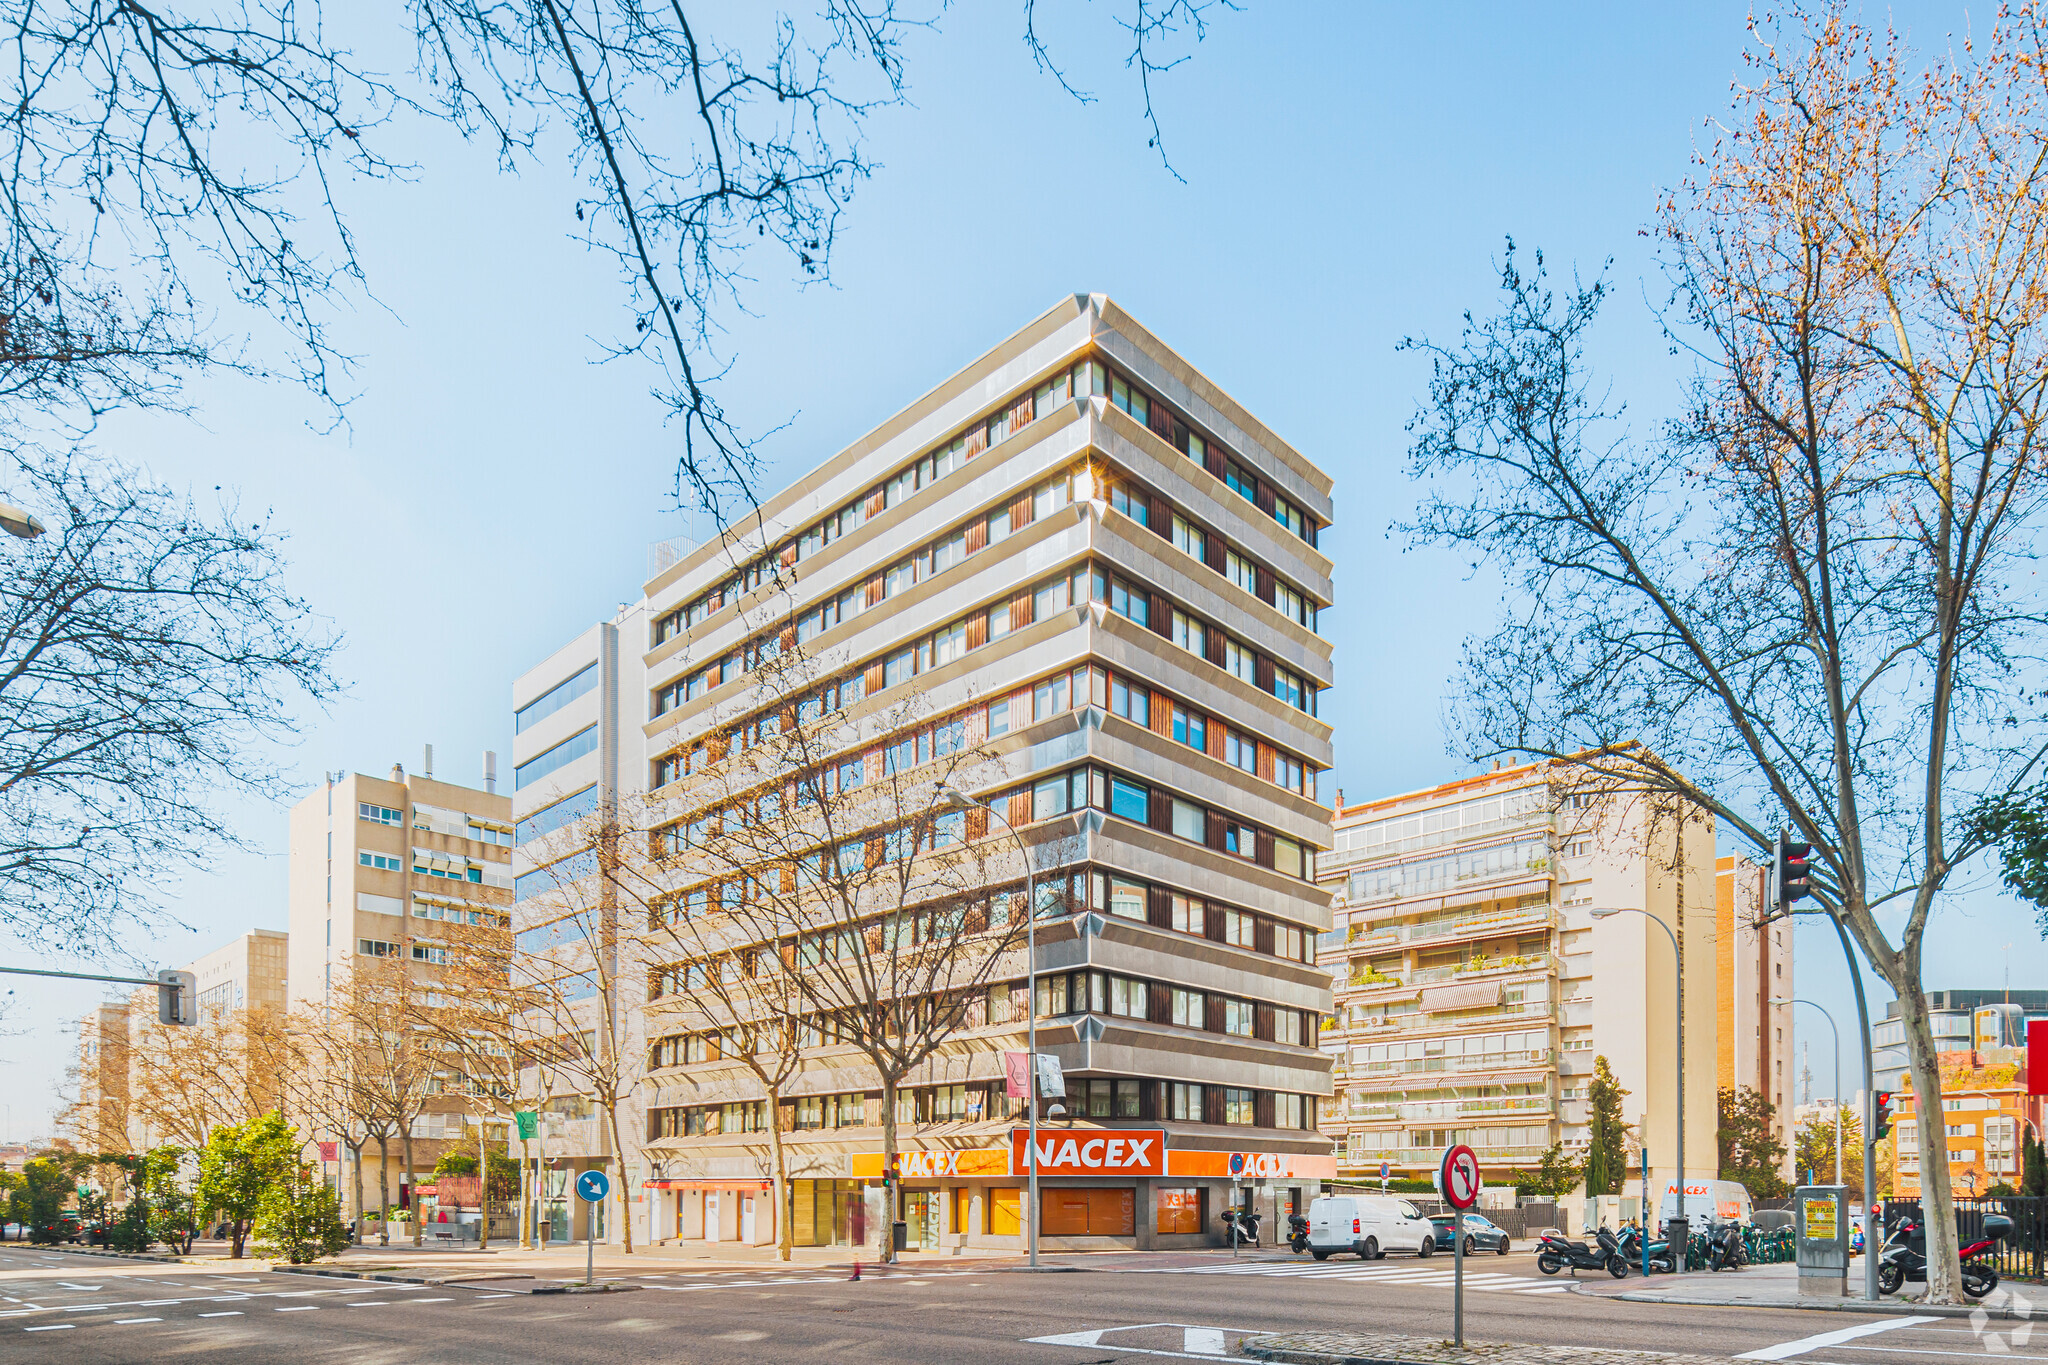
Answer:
(900, 1238)
(1679, 1237)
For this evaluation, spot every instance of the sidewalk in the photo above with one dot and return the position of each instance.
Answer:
(1777, 1286)
(1386, 1348)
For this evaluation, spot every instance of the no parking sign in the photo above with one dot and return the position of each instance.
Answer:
(1459, 1177)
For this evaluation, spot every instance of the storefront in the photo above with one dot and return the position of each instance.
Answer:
(741, 1211)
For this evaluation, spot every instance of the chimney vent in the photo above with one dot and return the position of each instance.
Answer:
(491, 770)
(398, 772)
(427, 768)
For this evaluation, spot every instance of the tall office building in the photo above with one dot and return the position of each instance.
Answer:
(1090, 566)
(382, 868)
(1475, 988)
(1754, 967)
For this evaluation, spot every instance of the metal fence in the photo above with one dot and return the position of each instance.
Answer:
(2024, 1252)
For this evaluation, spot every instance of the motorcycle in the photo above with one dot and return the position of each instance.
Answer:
(1242, 1227)
(1297, 1232)
(1630, 1244)
(1555, 1252)
(1904, 1256)
(1725, 1248)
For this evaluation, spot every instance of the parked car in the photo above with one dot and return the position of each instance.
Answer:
(1481, 1233)
(1368, 1226)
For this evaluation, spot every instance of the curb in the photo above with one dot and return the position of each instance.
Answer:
(351, 1274)
(601, 1287)
(1333, 1349)
(1885, 1307)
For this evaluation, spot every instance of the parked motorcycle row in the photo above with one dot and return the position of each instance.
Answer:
(1903, 1256)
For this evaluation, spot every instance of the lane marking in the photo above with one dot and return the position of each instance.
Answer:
(85, 1288)
(430, 1300)
(1910, 1351)
(301, 1308)
(1786, 1349)
(123, 1322)
(481, 1297)
(53, 1327)
(235, 1314)
(1206, 1341)
(368, 1303)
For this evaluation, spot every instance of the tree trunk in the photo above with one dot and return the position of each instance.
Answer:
(412, 1183)
(888, 1254)
(1937, 1201)
(611, 1113)
(784, 1233)
(356, 1233)
(384, 1189)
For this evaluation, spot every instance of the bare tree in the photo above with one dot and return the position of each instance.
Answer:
(1809, 596)
(820, 833)
(185, 1081)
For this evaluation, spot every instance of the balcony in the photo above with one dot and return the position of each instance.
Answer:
(1430, 1111)
(1485, 1061)
(1369, 1162)
(1380, 1025)
(1480, 969)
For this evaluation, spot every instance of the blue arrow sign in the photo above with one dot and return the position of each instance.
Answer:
(593, 1186)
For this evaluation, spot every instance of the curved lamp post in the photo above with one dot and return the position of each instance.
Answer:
(1791, 1000)
(1678, 978)
(952, 798)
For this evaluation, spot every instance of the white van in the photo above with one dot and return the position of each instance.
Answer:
(1707, 1202)
(1367, 1226)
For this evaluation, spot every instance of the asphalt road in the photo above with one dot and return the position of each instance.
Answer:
(76, 1309)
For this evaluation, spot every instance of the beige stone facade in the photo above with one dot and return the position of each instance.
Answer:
(1754, 968)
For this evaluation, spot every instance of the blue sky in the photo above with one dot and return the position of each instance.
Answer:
(1351, 173)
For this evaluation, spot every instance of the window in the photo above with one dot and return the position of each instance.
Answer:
(1239, 1107)
(1129, 602)
(1131, 501)
(949, 644)
(1049, 797)
(1237, 1017)
(382, 815)
(1189, 634)
(1238, 928)
(1187, 915)
(423, 953)
(1287, 1027)
(1180, 1211)
(999, 718)
(1184, 1102)
(1049, 697)
(1240, 571)
(1187, 1008)
(1126, 898)
(1132, 703)
(1293, 1111)
(1240, 751)
(1127, 997)
(568, 751)
(380, 862)
(375, 947)
(1052, 995)
(1289, 688)
(1050, 497)
(554, 699)
(1128, 800)
(1241, 483)
(1287, 857)
(1190, 821)
(1288, 515)
(1239, 839)
(1190, 728)
(1240, 662)
(1189, 537)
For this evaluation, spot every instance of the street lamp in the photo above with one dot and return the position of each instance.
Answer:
(16, 521)
(1678, 976)
(1836, 1035)
(952, 798)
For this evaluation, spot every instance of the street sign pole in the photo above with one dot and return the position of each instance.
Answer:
(1458, 1278)
(591, 1187)
(1458, 1178)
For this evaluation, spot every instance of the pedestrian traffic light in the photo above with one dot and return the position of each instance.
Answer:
(890, 1176)
(1789, 874)
(1881, 1119)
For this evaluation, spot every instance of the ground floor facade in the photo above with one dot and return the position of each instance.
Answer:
(1136, 1187)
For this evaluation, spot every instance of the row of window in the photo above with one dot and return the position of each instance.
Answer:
(1065, 993)
(421, 952)
(1085, 379)
(1159, 809)
(1164, 908)
(1153, 511)
(1095, 1097)
(1433, 875)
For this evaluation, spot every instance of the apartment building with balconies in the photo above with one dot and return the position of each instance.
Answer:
(1085, 561)
(1474, 986)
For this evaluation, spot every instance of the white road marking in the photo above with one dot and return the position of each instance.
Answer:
(301, 1308)
(1786, 1349)
(1207, 1341)
(235, 1314)
(123, 1322)
(368, 1303)
(481, 1297)
(430, 1300)
(1546, 1289)
(53, 1327)
(1910, 1351)
(90, 1288)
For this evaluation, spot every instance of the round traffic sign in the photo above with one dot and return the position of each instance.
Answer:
(593, 1186)
(1459, 1177)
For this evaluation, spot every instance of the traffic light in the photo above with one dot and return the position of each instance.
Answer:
(177, 998)
(1789, 874)
(890, 1176)
(1881, 1120)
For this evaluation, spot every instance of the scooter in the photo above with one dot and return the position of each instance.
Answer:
(1242, 1227)
(1555, 1253)
(1725, 1249)
(1297, 1232)
(1630, 1244)
(1904, 1257)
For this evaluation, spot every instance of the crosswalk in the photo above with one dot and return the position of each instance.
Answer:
(1395, 1275)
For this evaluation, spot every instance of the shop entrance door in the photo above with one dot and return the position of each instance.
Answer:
(747, 1202)
(921, 1212)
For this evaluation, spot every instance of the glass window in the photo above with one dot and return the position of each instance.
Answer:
(1189, 537)
(1050, 599)
(1049, 798)
(1052, 994)
(1190, 821)
(1239, 1107)
(1134, 703)
(1129, 800)
(1287, 857)
(1185, 1102)
(568, 751)
(1187, 915)
(1126, 898)
(1127, 997)
(1187, 1008)
(897, 668)
(1050, 497)
(1190, 728)
(1190, 634)
(1237, 1017)
(999, 717)
(554, 699)
(1049, 698)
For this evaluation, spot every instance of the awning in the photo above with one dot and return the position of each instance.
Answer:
(1463, 995)
(750, 1185)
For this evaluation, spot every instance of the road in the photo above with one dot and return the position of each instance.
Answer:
(83, 1310)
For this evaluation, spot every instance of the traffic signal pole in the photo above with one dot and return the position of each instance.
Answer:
(1871, 1241)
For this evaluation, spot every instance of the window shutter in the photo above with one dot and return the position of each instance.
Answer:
(1020, 809)
(1149, 1106)
(977, 536)
(1213, 551)
(1212, 1104)
(1020, 512)
(977, 440)
(1020, 709)
(878, 588)
(789, 638)
(1262, 674)
(1266, 753)
(1021, 413)
(977, 823)
(872, 761)
(1212, 641)
(1162, 615)
(873, 682)
(977, 630)
(1212, 916)
(1020, 611)
(1212, 1022)
(1159, 914)
(1158, 1004)
(1160, 420)
(1162, 516)
(1263, 1106)
(1212, 459)
(1262, 848)
(1214, 733)
(877, 502)
(1262, 1028)
(1262, 936)
(1161, 818)
(1162, 714)
(1262, 585)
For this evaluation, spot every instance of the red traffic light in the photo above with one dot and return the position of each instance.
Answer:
(1882, 1118)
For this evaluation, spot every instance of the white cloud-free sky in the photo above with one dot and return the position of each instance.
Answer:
(1350, 175)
